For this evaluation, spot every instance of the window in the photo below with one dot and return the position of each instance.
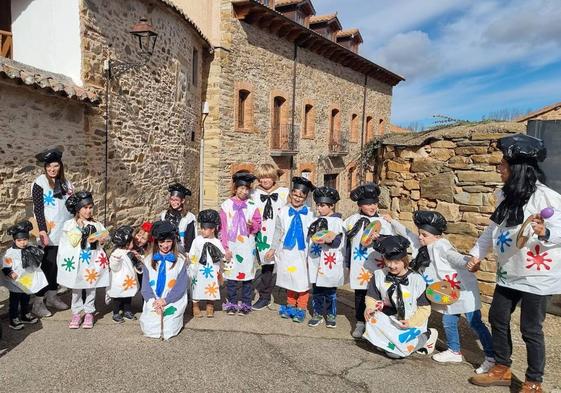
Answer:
(334, 127)
(243, 98)
(354, 128)
(195, 66)
(330, 180)
(308, 125)
(381, 127)
(352, 177)
(369, 129)
(279, 130)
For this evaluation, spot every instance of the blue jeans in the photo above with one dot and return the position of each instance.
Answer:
(324, 298)
(450, 323)
(232, 289)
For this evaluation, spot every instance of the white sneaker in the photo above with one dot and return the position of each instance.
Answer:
(39, 308)
(448, 356)
(429, 346)
(487, 365)
(359, 329)
(56, 303)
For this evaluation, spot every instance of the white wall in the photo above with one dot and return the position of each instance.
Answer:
(46, 35)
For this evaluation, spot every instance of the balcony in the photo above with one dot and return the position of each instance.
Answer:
(339, 146)
(284, 140)
(5, 44)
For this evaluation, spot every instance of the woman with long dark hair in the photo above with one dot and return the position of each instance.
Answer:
(528, 258)
(50, 192)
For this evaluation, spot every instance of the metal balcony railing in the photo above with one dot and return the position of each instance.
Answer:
(5, 44)
(284, 139)
(339, 146)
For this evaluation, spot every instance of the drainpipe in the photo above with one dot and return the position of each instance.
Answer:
(202, 156)
(363, 130)
(293, 136)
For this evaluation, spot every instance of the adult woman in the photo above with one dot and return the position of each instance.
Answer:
(50, 192)
(529, 274)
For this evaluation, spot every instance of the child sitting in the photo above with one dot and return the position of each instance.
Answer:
(397, 309)
(326, 257)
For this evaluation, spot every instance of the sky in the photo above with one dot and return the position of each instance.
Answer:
(460, 58)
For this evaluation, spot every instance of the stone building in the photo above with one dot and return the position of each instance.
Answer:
(52, 85)
(287, 87)
(549, 112)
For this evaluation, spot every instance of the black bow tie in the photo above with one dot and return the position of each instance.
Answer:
(397, 282)
(215, 254)
(268, 210)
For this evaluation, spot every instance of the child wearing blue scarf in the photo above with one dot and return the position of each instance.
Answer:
(164, 285)
(291, 247)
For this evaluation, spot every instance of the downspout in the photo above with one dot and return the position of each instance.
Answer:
(293, 134)
(363, 130)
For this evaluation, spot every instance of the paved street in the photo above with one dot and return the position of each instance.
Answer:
(260, 352)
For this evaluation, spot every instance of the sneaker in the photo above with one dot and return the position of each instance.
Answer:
(299, 315)
(118, 318)
(316, 320)
(39, 308)
(261, 304)
(286, 311)
(331, 321)
(75, 321)
(244, 309)
(487, 365)
(230, 308)
(88, 321)
(16, 324)
(56, 303)
(29, 319)
(359, 330)
(429, 346)
(448, 356)
(129, 315)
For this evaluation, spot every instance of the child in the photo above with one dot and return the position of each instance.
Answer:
(438, 260)
(123, 265)
(363, 261)
(164, 286)
(206, 255)
(179, 215)
(21, 265)
(240, 220)
(397, 310)
(83, 264)
(142, 240)
(291, 228)
(325, 258)
(269, 198)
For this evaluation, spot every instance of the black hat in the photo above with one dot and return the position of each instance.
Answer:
(78, 200)
(164, 230)
(179, 190)
(520, 147)
(392, 247)
(366, 194)
(243, 178)
(50, 155)
(430, 221)
(122, 236)
(326, 195)
(20, 230)
(302, 184)
(209, 218)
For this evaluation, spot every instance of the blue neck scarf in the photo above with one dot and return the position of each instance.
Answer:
(161, 282)
(295, 232)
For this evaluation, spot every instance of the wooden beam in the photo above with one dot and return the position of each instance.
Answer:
(296, 34)
(283, 31)
(254, 16)
(264, 21)
(242, 10)
(305, 41)
(275, 25)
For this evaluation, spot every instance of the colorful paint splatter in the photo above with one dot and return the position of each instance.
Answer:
(207, 271)
(91, 276)
(85, 256)
(501, 275)
(211, 289)
(68, 264)
(537, 259)
(360, 252)
(329, 260)
(49, 199)
(129, 282)
(409, 335)
(102, 260)
(315, 250)
(261, 242)
(427, 279)
(454, 283)
(364, 276)
(504, 240)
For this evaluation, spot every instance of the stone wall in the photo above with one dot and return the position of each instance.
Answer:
(264, 64)
(452, 171)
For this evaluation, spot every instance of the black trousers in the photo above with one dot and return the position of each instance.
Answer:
(266, 283)
(532, 314)
(121, 303)
(360, 304)
(18, 304)
(49, 267)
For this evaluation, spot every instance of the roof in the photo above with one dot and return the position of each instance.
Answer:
(178, 10)
(322, 18)
(351, 33)
(540, 111)
(268, 19)
(456, 132)
(394, 129)
(286, 3)
(46, 81)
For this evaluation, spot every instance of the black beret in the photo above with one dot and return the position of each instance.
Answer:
(78, 200)
(50, 155)
(122, 236)
(366, 194)
(302, 184)
(20, 230)
(209, 218)
(326, 195)
(430, 221)
(520, 147)
(179, 190)
(243, 178)
(164, 230)
(392, 247)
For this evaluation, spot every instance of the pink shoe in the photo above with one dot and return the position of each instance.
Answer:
(75, 321)
(88, 321)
